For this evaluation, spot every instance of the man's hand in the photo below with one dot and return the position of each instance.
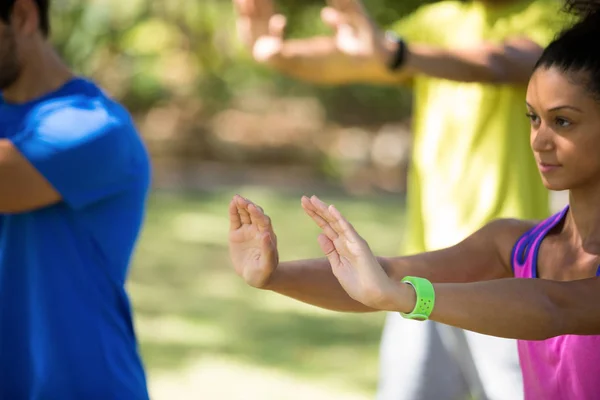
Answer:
(252, 242)
(259, 28)
(355, 34)
(352, 261)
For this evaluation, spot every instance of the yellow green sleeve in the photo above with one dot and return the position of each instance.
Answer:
(541, 22)
(423, 24)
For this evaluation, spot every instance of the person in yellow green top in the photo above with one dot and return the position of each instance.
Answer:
(468, 64)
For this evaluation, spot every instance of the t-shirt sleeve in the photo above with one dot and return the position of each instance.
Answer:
(413, 27)
(84, 151)
(542, 22)
(422, 25)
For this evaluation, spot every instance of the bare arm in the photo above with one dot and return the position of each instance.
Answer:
(509, 63)
(472, 280)
(359, 52)
(482, 256)
(22, 187)
(318, 60)
(528, 309)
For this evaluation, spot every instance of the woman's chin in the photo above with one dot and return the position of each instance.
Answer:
(555, 185)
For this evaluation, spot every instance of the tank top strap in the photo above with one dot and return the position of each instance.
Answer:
(525, 248)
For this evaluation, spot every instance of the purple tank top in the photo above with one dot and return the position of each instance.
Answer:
(564, 367)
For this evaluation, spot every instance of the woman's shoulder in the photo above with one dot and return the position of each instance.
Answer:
(504, 235)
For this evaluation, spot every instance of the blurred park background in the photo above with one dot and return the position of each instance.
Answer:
(208, 112)
(218, 124)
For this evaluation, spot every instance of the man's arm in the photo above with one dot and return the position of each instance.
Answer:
(482, 256)
(508, 63)
(359, 51)
(22, 187)
(318, 60)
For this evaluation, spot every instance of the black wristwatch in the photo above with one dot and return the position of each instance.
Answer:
(399, 57)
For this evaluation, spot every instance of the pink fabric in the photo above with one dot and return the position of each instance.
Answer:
(562, 368)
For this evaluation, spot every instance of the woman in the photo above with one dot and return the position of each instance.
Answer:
(536, 282)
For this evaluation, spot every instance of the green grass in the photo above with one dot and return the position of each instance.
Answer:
(190, 306)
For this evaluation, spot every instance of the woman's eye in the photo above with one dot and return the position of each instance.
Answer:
(533, 118)
(563, 123)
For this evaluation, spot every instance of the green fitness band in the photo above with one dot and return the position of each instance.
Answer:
(425, 298)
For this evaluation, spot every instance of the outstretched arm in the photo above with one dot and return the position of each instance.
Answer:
(319, 60)
(479, 257)
(509, 63)
(529, 309)
(352, 54)
(360, 52)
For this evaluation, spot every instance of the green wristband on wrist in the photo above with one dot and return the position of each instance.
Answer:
(425, 298)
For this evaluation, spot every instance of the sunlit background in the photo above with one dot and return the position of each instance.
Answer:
(218, 124)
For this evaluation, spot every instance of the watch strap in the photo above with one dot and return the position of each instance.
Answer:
(425, 298)
(399, 56)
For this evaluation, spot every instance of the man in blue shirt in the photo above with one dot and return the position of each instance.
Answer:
(74, 177)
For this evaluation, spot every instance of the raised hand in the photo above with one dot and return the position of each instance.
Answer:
(355, 32)
(260, 28)
(252, 242)
(351, 259)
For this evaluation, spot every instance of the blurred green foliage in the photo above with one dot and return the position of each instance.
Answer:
(151, 52)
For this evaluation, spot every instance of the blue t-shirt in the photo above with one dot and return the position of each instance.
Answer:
(66, 328)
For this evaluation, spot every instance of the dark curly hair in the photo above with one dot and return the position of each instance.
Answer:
(581, 7)
(576, 50)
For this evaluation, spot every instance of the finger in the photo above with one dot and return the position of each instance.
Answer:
(335, 224)
(250, 202)
(343, 227)
(322, 209)
(321, 223)
(241, 6)
(351, 12)
(311, 210)
(235, 221)
(243, 30)
(308, 205)
(329, 249)
(331, 17)
(277, 25)
(264, 8)
(250, 7)
(347, 6)
(238, 6)
(258, 218)
(242, 207)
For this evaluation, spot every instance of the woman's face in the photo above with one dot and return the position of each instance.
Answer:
(565, 129)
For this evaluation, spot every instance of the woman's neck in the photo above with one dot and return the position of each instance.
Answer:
(583, 221)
